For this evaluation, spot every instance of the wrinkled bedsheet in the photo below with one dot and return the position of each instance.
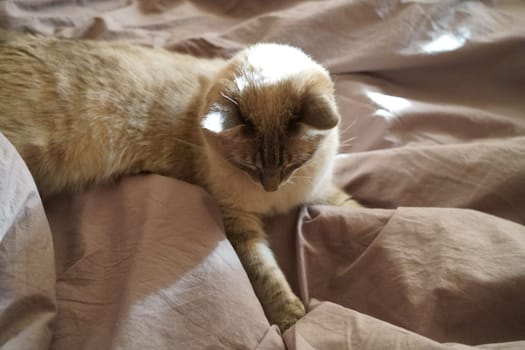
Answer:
(432, 99)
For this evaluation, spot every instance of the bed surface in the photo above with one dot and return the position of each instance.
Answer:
(432, 99)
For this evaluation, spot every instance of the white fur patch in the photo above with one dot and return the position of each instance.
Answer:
(272, 63)
(213, 121)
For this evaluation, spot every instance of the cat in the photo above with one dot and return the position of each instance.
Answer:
(258, 131)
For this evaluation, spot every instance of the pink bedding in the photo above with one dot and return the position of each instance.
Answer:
(432, 97)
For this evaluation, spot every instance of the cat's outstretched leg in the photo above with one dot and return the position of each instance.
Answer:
(336, 196)
(245, 232)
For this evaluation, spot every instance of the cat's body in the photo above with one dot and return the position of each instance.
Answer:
(79, 111)
(259, 131)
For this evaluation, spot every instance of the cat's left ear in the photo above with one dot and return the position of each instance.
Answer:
(319, 112)
(220, 118)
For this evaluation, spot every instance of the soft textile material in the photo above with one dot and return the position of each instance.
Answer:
(431, 96)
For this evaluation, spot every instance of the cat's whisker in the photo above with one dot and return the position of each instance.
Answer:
(229, 98)
(347, 142)
(348, 127)
(303, 177)
(307, 179)
(186, 142)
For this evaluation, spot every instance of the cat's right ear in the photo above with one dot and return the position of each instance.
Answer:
(319, 112)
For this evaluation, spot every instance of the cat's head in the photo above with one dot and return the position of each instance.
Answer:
(269, 111)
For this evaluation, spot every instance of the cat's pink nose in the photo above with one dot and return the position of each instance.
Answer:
(270, 178)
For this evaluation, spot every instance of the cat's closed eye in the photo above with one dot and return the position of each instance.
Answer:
(250, 169)
(294, 125)
(248, 128)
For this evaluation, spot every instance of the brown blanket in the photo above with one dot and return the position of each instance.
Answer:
(432, 96)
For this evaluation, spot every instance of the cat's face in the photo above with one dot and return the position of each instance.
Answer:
(268, 115)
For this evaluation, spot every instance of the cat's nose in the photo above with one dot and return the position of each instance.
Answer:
(270, 178)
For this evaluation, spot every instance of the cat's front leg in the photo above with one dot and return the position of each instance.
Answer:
(245, 232)
(333, 195)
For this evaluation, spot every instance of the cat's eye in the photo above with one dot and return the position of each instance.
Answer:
(294, 126)
(249, 169)
(247, 126)
(247, 123)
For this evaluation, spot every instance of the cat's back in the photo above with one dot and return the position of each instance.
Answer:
(48, 75)
(81, 110)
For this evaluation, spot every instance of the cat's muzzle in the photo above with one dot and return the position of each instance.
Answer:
(270, 178)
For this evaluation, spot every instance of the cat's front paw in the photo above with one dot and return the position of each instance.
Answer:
(351, 203)
(285, 315)
(336, 196)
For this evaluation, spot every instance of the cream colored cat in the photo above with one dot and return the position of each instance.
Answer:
(258, 131)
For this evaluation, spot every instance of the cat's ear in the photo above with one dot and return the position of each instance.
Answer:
(319, 112)
(221, 117)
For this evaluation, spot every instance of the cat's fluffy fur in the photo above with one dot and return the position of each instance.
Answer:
(258, 131)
